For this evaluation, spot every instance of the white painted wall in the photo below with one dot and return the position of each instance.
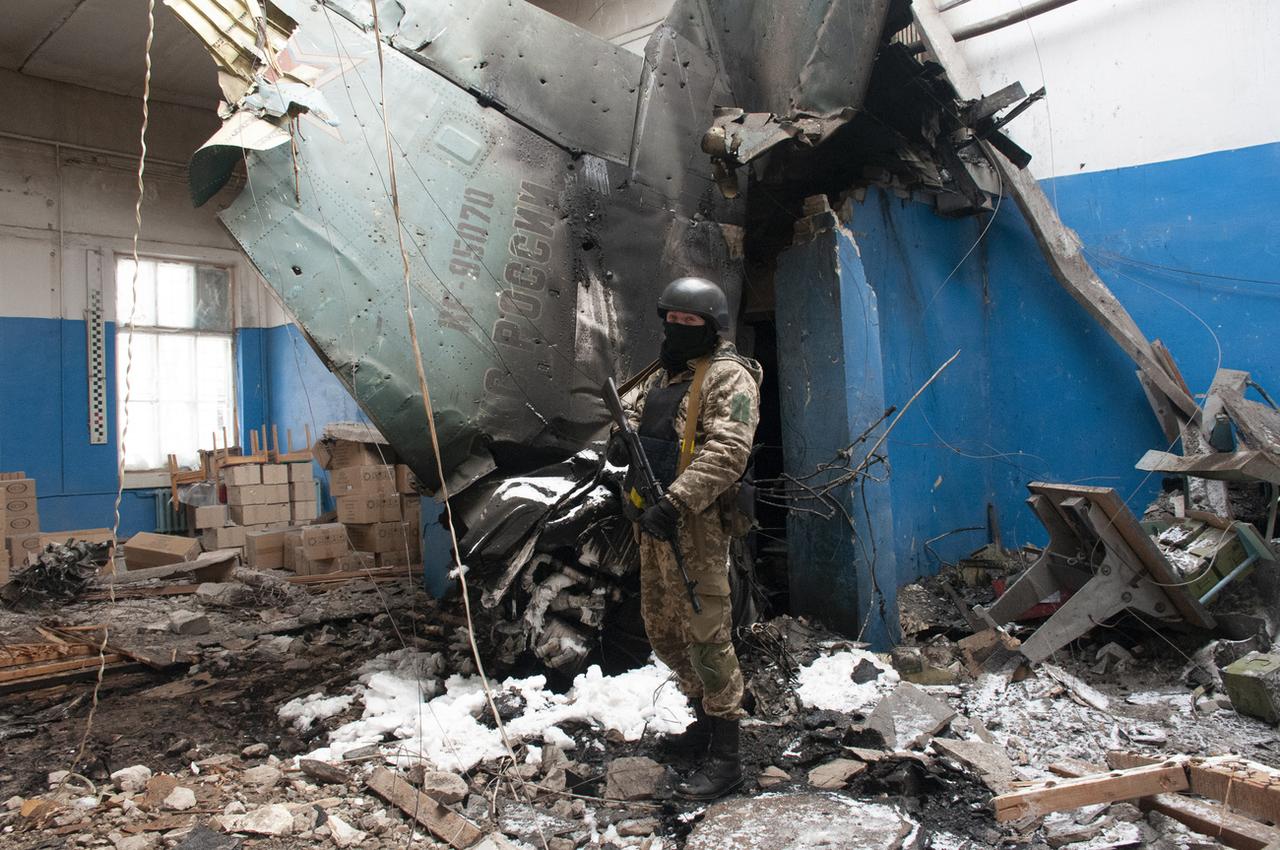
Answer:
(58, 200)
(1134, 81)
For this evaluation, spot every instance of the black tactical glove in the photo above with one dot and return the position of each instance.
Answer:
(660, 520)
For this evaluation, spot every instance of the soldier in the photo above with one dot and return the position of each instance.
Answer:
(699, 465)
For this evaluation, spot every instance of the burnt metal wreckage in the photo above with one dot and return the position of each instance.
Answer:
(553, 181)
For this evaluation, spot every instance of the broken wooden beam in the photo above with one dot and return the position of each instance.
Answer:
(1111, 787)
(1061, 246)
(444, 823)
(1210, 819)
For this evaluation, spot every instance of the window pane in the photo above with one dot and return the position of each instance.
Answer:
(213, 363)
(213, 299)
(142, 377)
(177, 368)
(146, 285)
(141, 443)
(175, 295)
(178, 432)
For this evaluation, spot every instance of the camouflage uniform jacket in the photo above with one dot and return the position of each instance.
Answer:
(727, 420)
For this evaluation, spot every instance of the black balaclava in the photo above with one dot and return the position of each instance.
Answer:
(682, 343)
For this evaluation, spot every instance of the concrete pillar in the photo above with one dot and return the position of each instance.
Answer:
(831, 384)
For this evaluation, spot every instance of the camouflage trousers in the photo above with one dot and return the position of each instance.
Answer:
(697, 647)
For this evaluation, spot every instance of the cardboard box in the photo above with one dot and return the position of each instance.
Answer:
(304, 511)
(337, 454)
(353, 561)
(302, 491)
(264, 550)
(145, 549)
(275, 473)
(16, 525)
(19, 546)
(242, 475)
(4, 566)
(406, 481)
(383, 537)
(19, 505)
(399, 558)
(276, 494)
(300, 472)
(87, 535)
(294, 559)
(367, 509)
(411, 510)
(259, 514)
(12, 476)
(363, 481)
(18, 488)
(327, 540)
(225, 537)
(246, 494)
(207, 516)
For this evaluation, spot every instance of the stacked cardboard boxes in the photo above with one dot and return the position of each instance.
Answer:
(20, 519)
(378, 510)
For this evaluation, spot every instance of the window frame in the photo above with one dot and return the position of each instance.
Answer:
(150, 478)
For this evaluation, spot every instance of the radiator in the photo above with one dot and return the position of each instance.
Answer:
(169, 520)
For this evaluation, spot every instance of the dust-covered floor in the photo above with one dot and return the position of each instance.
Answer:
(295, 701)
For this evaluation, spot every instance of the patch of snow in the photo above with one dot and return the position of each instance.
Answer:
(828, 683)
(304, 711)
(445, 731)
(544, 489)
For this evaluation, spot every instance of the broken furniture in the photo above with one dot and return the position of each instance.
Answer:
(1098, 552)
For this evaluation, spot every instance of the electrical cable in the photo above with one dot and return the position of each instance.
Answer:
(124, 416)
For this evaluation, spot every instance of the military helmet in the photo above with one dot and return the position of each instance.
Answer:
(698, 296)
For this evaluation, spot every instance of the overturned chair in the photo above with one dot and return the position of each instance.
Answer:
(1103, 559)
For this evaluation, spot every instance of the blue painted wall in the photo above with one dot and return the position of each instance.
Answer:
(831, 387)
(1040, 391)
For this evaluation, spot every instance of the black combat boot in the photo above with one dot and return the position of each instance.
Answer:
(693, 741)
(722, 771)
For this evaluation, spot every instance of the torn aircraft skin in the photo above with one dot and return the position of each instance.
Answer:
(550, 184)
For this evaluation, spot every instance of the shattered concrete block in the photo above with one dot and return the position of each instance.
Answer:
(864, 671)
(632, 778)
(180, 799)
(835, 773)
(323, 772)
(263, 776)
(255, 751)
(203, 838)
(637, 828)
(132, 779)
(273, 819)
(342, 833)
(142, 841)
(829, 821)
(988, 761)
(444, 787)
(188, 623)
(771, 776)
(908, 717)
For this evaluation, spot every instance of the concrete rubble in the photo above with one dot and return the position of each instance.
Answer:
(274, 721)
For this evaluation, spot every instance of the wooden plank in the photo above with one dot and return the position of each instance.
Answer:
(17, 654)
(94, 641)
(88, 673)
(1204, 817)
(1109, 787)
(1245, 466)
(443, 823)
(1061, 246)
(141, 592)
(1243, 785)
(348, 575)
(50, 668)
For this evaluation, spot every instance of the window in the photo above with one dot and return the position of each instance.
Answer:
(180, 384)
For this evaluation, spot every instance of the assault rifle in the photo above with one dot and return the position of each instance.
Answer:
(646, 482)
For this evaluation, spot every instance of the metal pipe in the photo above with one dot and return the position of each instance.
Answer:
(1024, 13)
(56, 144)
